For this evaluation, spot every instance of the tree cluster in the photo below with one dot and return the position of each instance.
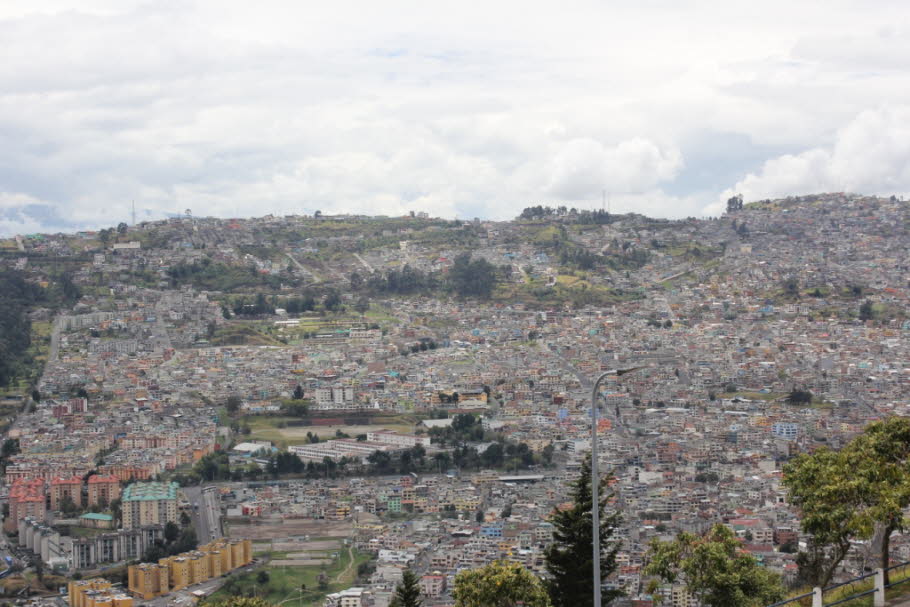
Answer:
(851, 494)
(596, 217)
(472, 278)
(715, 569)
(176, 541)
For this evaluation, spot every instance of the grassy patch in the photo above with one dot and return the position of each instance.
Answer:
(86, 531)
(286, 583)
(270, 428)
(242, 334)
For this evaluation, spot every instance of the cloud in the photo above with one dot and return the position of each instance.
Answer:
(871, 154)
(235, 108)
(584, 167)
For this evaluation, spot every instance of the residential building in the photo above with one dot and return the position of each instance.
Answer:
(149, 504)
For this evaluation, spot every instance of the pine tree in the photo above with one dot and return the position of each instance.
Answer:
(407, 593)
(569, 558)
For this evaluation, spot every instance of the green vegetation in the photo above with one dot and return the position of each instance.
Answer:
(301, 584)
(844, 495)
(17, 298)
(569, 559)
(407, 593)
(216, 276)
(714, 569)
(499, 584)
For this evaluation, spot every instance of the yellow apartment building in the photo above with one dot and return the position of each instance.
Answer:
(149, 580)
(96, 592)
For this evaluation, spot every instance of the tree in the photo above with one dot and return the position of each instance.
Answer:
(569, 559)
(171, 531)
(799, 397)
(866, 311)
(499, 584)
(68, 507)
(714, 569)
(362, 305)
(10, 447)
(105, 236)
(472, 278)
(232, 404)
(262, 578)
(332, 301)
(298, 392)
(122, 228)
(818, 484)
(880, 465)
(407, 593)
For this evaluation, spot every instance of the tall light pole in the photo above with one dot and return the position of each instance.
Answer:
(595, 478)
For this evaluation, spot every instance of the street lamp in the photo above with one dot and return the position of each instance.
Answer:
(595, 477)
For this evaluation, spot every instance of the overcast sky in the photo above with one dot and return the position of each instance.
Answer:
(455, 108)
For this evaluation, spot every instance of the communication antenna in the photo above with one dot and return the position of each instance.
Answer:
(134, 212)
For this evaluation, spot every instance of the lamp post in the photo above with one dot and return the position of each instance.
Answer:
(595, 478)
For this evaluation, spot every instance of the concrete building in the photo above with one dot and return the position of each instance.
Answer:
(26, 499)
(102, 489)
(63, 488)
(149, 580)
(352, 597)
(96, 592)
(149, 504)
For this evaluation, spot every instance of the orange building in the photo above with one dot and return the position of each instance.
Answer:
(62, 488)
(26, 498)
(103, 490)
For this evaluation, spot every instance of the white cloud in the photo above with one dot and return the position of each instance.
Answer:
(871, 154)
(471, 109)
(584, 167)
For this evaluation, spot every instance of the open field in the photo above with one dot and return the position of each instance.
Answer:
(269, 428)
(298, 584)
(284, 529)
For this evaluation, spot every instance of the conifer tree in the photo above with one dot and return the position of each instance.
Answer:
(407, 593)
(570, 559)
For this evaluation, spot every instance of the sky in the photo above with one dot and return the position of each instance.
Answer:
(460, 109)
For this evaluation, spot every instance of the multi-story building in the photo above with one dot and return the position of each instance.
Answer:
(26, 499)
(149, 580)
(352, 597)
(96, 592)
(432, 585)
(785, 430)
(149, 504)
(125, 544)
(334, 397)
(62, 489)
(102, 490)
(402, 441)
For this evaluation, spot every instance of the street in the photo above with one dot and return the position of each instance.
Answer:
(205, 507)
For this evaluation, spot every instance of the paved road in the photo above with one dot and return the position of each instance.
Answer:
(368, 267)
(185, 597)
(206, 508)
